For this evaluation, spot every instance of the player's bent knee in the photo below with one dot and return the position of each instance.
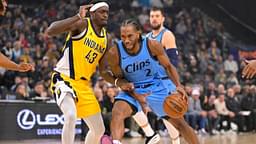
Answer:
(97, 131)
(70, 116)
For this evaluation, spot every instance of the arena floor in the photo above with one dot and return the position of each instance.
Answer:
(248, 138)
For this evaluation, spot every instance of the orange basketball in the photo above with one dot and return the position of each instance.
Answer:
(175, 106)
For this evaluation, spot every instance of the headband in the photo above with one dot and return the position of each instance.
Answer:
(98, 5)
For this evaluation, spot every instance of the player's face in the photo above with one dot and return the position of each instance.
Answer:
(156, 19)
(101, 16)
(129, 36)
(3, 6)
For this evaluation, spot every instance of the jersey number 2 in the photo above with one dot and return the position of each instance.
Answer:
(91, 56)
(148, 72)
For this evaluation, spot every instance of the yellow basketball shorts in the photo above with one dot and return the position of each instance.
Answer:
(86, 102)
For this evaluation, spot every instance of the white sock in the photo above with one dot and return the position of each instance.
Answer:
(173, 132)
(116, 142)
(148, 130)
(142, 120)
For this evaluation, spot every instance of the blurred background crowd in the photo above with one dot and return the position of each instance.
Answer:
(209, 61)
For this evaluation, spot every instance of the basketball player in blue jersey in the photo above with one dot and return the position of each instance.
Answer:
(84, 50)
(4, 61)
(133, 62)
(167, 39)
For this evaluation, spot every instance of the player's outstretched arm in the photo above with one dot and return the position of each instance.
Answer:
(10, 65)
(72, 24)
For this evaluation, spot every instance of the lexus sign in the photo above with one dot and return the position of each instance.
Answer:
(30, 120)
(23, 119)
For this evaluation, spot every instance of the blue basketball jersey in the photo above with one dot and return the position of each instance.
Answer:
(159, 36)
(137, 68)
(161, 71)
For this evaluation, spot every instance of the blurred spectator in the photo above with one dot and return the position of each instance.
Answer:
(232, 80)
(233, 104)
(193, 68)
(221, 89)
(226, 116)
(17, 81)
(214, 51)
(212, 115)
(230, 65)
(247, 104)
(181, 28)
(237, 91)
(21, 92)
(39, 91)
(220, 77)
(17, 51)
(156, 3)
(195, 116)
(135, 4)
(219, 64)
(211, 89)
(143, 17)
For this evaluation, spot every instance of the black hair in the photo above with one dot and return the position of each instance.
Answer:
(1, 5)
(96, 1)
(157, 9)
(134, 23)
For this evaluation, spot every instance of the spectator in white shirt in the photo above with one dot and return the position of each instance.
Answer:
(223, 112)
(230, 65)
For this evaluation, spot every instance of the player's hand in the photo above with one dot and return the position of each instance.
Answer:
(125, 86)
(180, 89)
(83, 10)
(145, 108)
(23, 67)
(141, 98)
(249, 70)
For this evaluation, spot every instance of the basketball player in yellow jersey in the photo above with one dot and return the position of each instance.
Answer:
(84, 49)
(4, 61)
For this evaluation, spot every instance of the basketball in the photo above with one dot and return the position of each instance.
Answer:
(175, 106)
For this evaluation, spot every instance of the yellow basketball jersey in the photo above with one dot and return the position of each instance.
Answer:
(81, 54)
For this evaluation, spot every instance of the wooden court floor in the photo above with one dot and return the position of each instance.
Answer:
(248, 138)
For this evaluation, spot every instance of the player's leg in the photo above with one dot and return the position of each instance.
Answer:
(68, 108)
(156, 100)
(121, 110)
(142, 120)
(173, 132)
(96, 128)
(185, 130)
